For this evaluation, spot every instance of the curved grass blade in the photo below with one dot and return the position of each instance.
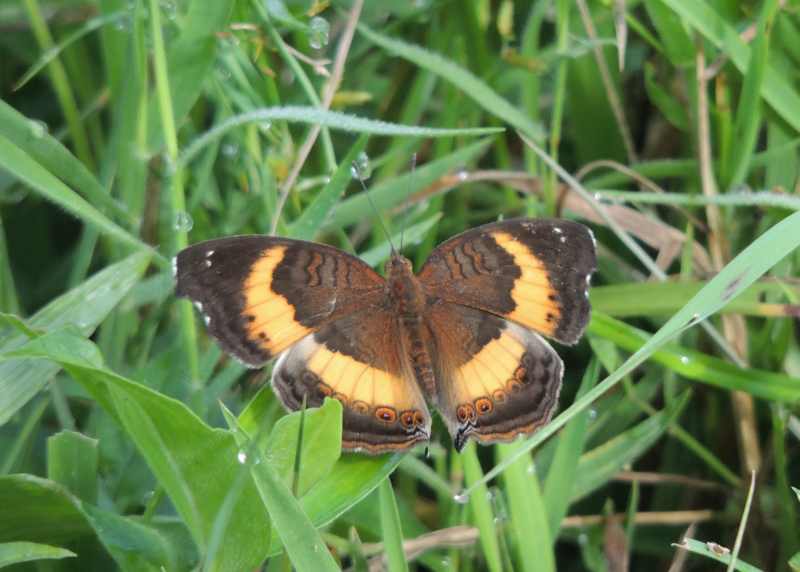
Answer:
(471, 86)
(331, 119)
(19, 552)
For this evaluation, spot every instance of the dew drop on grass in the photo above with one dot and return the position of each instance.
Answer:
(532, 469)
(241, 456)
(685, 360)
(230, 150)
(361, 169)
(319, 32)
(461, 498)
(183, 221)
(592, 414)
(169, 9)
(38, 128)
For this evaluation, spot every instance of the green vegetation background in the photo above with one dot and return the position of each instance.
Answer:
(131, 128)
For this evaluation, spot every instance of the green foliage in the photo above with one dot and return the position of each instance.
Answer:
(129, 129)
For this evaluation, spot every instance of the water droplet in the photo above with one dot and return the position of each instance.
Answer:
(531, 469)
(462, 175)
(169, 9)
(38, 128)
(241, 456)
(461, 498)
(122, 25)
(230, 150)
(147, 497)
(319, 32)
(361, 169)
(183, 221)
(583, 538)
(592, 414)
(685, 360)
(265, 126)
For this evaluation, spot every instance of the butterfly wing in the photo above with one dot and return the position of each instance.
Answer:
(495, 379)
(261, 294)
(356, 360)
(533, 272)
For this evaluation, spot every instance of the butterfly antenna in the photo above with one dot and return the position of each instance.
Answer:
(356, 172)
(407, 201)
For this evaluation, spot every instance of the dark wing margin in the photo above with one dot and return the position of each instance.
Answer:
(535, 272)
(259, 294)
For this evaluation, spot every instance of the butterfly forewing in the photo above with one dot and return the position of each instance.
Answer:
(260, 295)
(533, 272)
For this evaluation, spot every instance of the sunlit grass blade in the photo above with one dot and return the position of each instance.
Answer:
(481, 507)
(391, 529)
(703, 549)
(470, 85)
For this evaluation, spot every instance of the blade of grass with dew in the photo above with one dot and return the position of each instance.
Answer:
(19, 552)
(301, 540)
(313, 217)
(27, 170)
(392, 532)
(561, 474)
(331, 119)
(393, 192)
(765, 199)
(470, 85)
(526, 503)
(32, 138)
(775, 88)
(599, 465)
(189, 60)
(481, 508)
(84, 307)
(698, 366)
(735, 277)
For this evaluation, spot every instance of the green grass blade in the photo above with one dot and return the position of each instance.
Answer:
(19, 552)
(391, 529)
(470, 85)
(703, 549)
(481, 508)
(27, 170)
(84, 307)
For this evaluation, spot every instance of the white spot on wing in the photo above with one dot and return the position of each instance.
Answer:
(557, 230)
(199, 306)
(208, 263)
(563, 239)
(210, 253)
(207, 320)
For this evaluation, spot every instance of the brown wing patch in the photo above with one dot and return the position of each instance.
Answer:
(356, 361)
(497, 380)
(533, 272)
(259, 295)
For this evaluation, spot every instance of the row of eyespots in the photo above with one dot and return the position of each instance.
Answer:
(409, 419)
(468, 412)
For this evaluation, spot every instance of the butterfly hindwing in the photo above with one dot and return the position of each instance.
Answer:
(532, 272)
(356, 360)
(495, 379)
(260, 294)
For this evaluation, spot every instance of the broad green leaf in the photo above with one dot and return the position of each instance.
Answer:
(19, 552)
(301, 540)
(83, 307)
(72, 463)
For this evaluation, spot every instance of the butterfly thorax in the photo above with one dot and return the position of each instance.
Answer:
(409, 300)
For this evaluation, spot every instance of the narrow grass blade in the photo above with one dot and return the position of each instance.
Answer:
(332, 119)
(391, 529)
(19, 552)
(481, 508)
(529, 517)
(27, 170)
(470, 85)
(314, 215)
(703, 549)
(72, 460)
(735, 277)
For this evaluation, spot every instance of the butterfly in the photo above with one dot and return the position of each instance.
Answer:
(465, 333)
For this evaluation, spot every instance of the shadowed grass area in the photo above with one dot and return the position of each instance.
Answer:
(132, 128)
